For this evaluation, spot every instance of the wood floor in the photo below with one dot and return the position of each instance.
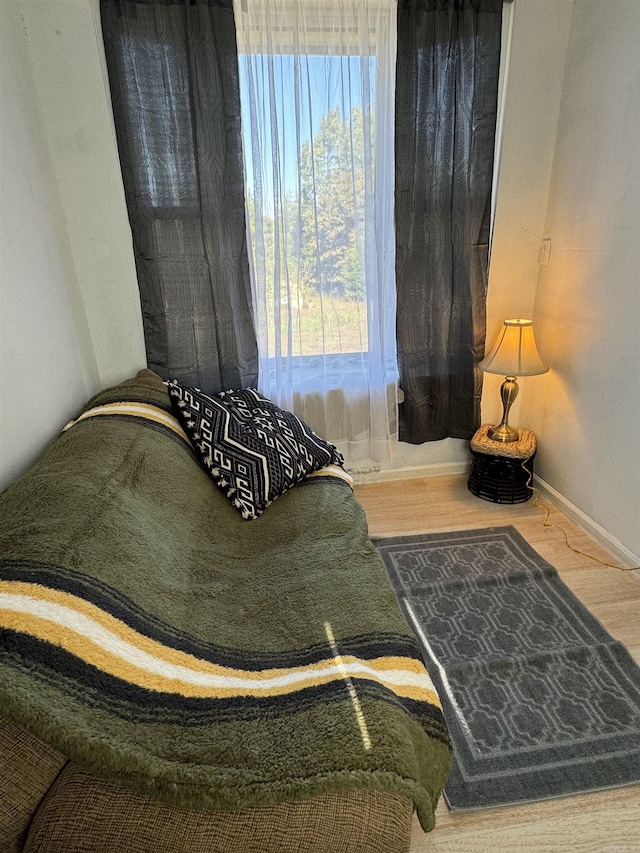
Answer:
(605, 822)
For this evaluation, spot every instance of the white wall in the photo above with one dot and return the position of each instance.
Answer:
(532, 106)
(586, 411)
(47, 365)
(69, 311)
(66, 50)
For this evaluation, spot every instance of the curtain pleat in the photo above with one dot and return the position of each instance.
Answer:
(175, 90)
(446, 107)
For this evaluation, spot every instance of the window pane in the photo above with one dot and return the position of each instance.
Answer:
(309, 164)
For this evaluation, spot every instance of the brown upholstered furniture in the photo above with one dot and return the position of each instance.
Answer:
(190, 667)
(48, 805)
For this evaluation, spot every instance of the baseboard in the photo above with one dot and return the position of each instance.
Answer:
(435, 469)
(621, 553)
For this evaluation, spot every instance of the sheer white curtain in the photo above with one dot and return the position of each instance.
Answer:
(317, 82)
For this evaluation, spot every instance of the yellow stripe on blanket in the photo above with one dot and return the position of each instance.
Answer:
(107, 643)
(154, 414)
(145, 411)
(332, 471)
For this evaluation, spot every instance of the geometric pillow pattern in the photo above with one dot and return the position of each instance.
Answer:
(253, 450)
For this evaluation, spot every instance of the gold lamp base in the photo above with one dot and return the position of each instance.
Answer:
(508, 393)
(503, 433)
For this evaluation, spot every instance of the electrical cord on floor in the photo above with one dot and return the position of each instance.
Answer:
(547, 524)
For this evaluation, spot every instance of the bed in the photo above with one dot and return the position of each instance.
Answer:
(174, 677)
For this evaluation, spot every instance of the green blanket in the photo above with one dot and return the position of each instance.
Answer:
(156, 638)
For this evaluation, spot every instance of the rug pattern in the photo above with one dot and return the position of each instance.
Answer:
(540, 700)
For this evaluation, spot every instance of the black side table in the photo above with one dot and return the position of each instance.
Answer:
(502, 472)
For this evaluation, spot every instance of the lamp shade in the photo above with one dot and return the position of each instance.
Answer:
(514, 353)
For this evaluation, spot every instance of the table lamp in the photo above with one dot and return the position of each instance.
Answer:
(513, 354)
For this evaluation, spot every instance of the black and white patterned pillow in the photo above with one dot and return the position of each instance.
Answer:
(253, 450)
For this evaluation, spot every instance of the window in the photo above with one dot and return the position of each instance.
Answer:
(317, 92)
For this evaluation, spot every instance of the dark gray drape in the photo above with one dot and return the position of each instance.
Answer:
(446, 103)
(176, 100)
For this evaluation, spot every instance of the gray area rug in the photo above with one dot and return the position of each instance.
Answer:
(540, 700)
